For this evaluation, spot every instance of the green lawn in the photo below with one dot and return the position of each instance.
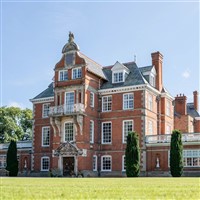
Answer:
(100, 188)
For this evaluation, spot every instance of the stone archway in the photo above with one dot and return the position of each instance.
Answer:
(68, 155)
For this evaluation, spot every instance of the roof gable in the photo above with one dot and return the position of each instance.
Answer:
(119, 67)
(133, 78)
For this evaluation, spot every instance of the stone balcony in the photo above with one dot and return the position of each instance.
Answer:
(66, 110)
(186, 137)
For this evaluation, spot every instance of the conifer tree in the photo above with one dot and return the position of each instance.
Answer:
(176, 154)
(11, 159)
(132, 155)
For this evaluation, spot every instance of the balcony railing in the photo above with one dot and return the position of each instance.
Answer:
(186, 137)
(66, 109)
(20, 145)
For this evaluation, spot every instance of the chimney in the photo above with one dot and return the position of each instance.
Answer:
(181, 104)
(157, 59)
(196, 100)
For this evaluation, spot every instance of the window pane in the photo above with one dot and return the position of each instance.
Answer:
(45, 164)
(127, 127)
(94, 163)
(106, 163)
(69, 132)
(46, 110)
(45, 136)
(69, 59)
(106, 103)
(128, 101)
(106, 133)
(91, 131)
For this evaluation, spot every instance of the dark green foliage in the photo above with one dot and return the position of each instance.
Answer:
(132, 155)
(176, 154)
(11, 159)
(15, 124)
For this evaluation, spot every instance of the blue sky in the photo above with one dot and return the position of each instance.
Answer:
(34, 33)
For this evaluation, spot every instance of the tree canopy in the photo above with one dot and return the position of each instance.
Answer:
(15, 124)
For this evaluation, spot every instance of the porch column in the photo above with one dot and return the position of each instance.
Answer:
(76, 165)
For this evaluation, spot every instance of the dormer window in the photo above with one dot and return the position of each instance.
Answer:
(119, 73)
(63, 75)
(118, 77)
(152, 80)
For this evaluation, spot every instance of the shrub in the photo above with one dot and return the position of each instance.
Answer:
(176, 154)
(11, 159)
(132, 155)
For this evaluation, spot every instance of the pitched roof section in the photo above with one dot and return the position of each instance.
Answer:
(191, 110)
(93, 67)
(49, 92)
(146, 69)
(134, 77)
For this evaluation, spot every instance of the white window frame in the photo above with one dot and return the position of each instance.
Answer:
(150, 127)
(128, 100)
(92, 99)
(102, 164)
(45, 111)
(124, 121)
(69, 122)
(150, 102)
(152, 80)
(42, 158)
(77, 73)
(3, 161)
(63, 75)
(187, 155)
(91, 131)
(168, 108)
(43, 132)
(116, 77)
(168, 129)
(94, 163)
(102, 134)
(107, 103)
(123, 163)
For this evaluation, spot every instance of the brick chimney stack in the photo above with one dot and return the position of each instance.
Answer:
(196, 100)
(157, 59)
(181, 104)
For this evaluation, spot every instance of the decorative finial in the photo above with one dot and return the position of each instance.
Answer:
(71, 37)
(134, 58)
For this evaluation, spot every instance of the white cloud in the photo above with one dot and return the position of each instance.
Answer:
(186, 74)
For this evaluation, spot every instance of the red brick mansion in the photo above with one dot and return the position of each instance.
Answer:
(82, 119)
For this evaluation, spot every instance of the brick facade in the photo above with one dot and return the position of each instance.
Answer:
(86, 98)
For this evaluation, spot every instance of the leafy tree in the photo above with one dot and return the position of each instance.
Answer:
(132, 155)
(176, 154)
(15, 124)
(11, 159)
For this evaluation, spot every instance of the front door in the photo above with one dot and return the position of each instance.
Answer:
(68, 166)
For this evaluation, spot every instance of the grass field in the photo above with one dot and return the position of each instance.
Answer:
(100, 188)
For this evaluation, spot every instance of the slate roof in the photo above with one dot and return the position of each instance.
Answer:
(49, 92)
(134, 77)
(146, 68)
(191, 110)
(93, 66)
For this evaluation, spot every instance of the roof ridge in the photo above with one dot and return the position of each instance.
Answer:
(91, 60)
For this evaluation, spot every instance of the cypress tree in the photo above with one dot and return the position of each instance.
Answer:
(176, 154)
(132, 155)
(11, 159)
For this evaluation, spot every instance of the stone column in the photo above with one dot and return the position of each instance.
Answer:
(76, 165)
